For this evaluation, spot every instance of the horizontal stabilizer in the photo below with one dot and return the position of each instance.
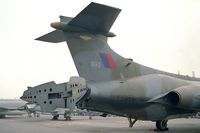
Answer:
(96, 18)
(55, 36)
(65, 19)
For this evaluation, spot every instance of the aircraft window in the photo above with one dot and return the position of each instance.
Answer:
(76, 84)
(73, 100)
(50, 102)
(54, 95)
(39, 91)
(45, 90)
(70, 93)
(30, 96)
(45, 102)
(34, 96)
(50, 89)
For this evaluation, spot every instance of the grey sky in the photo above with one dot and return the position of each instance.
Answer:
(164, 34)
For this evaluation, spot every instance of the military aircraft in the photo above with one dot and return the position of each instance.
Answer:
(115, 84)
(12, 107)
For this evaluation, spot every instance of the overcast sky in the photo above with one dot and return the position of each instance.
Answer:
(163, 34)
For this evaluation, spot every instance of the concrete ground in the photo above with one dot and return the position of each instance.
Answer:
(43, 124)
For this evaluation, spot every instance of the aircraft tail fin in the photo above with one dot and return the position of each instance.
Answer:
(92, 56)
(86, 36)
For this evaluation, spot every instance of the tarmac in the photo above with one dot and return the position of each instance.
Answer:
(79, 124)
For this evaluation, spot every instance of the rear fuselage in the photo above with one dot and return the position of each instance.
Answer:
(130, 97)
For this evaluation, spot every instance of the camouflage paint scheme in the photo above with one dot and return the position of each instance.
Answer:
(118, 85)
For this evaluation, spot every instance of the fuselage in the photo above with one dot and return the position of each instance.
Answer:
(11, 107)
(130, 97)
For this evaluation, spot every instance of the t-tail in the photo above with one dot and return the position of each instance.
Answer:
(86, 36)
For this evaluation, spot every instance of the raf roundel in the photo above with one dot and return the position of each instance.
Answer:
(108, 61)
